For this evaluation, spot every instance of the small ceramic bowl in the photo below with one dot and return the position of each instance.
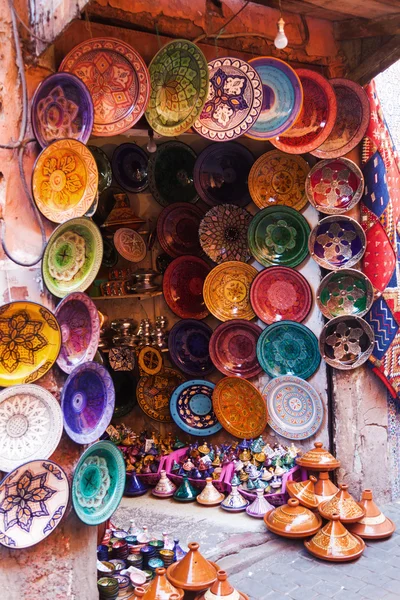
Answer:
(345, 292)
(108, 569)
(346, 342)
(337, 242)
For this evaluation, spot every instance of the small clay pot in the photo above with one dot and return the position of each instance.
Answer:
(193, 572)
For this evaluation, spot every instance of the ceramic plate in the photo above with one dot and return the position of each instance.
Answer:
(223, 233)
(62, 108)
(30, 340)
(179, 87)
(221, 173)
(117, 79)
(345, 292)
(280, 294)
(337, 242)
(316, 119)
(188, 342)
(192, 410)
(170, 173)
(288, 348)
(227, 291)
(154, 393)
(130, 244)
(183, 287)
(103, 168)
(129, 167)
(346, 342)
(278, 178)
(64, 180)
(233, 348)
(98, 483)
(72, 257)
(282, 97)
(352, 119)
(295, 410)
(178, 229)
(80, 330)
(31, 425)
(239, 407)
(278, 235)
(87, 401)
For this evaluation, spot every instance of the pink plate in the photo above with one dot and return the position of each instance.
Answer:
(233, 348)
(183, 287)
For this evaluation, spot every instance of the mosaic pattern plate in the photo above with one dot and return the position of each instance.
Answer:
(117, 79)
(170, 173)
(98, 483)
(178, 229)
(64, 180)
(129, 167)
(103, 168)
(192, 409)
(278, 235)
(223, 233)
(227, 291)
(179, 87)
(130, 244)
(188, 344)
(346, 342)
(337, 242)
(30, 340)
(280, 294)
(183, 287)
(288, 348)
(72, 257)
(295, 409)
(31, 425)
(154, 393)
(345, 292)
(239, 407)
(233, 348)
(234, 101)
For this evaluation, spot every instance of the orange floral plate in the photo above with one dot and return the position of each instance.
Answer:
(227, 291)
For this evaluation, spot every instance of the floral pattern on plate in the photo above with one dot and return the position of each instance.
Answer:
(337, 242)
(345, 292)
(334, 186)
(130, 244)
(192, 410)
(346, 342)
(154, 393)
(223, 233)
(227, 291)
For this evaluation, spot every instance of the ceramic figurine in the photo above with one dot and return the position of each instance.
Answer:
(164, 488)
(133, 486)
(374, 525)
(168, 545)
(160, 588)
(335, 543)
(259, 506)
(204, 449)
(266, 475)
(276, 483)
(144, 537)
(324, 488)
(222, 589)
(235, 479)
(234, 502)
(193, 573)
(304, 491)
(179, 553)
(318, 459)
(292, 520)
(210, 496)
(186, 492)
(344, 504)
(257, 445)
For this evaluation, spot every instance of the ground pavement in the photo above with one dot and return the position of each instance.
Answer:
(265, 566)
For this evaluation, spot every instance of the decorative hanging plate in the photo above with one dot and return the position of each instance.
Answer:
(62, 108)
(234, 100)
(316, 119)
(154, 393)
(223, 233)
(345, 292)
(282, 97)
(117, 79)
(227, 291)
(103, 168)
(337, 242)
(280, 294)
(239, 407)
(188, 343)
(295, 409)
(33, 500)
(179, 87)
(72, 257)
(130, 244)
(278, 235)
(346, 342)
(87, 401)
(150, 360)
(221, 173)
(288, 348)
(98, 483)
(183, 287)
(80, 330)
(170, 173)
(31, 425)
(192, 409)
(30, 340)
(352, 119)
(278, 178)
(64, 180)
(178, 229)
(129, 167)
(233, 348)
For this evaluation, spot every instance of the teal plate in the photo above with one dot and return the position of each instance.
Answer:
(192, 410)
(288, 348)
(278, 235)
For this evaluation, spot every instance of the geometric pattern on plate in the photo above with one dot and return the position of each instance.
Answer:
(227, 290)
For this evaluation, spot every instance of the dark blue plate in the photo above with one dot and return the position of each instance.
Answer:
(188, 343)
(191, 408)
(129, 166)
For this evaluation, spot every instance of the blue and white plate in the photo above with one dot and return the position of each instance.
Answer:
(191, 408)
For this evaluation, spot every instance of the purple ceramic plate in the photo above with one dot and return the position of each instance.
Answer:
(62, 108)
(178, 229)
(188, 343)
(233, 348)
(79, 322)
(87, 402)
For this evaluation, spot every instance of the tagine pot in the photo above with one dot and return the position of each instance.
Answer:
(193, 573)
(133, 485)
(164, 488)
(374, 525)
(324, 489)
(259, 506)
(304, 491)
(160, 588)
(344, 505)
(234, 502)
(210, 496)
(139, 592)
(222, 589)
(185, 492)
(292, 520)
(335, 543)
(318, 459)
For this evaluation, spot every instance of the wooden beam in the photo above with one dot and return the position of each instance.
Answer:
(362, 28)
(378, 61)
(335, 11)
(302, 8)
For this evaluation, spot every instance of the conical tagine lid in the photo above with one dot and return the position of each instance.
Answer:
(210, 496)
(303, 491)
(374, 525)
(318, 459)
(344, 505)
(292, 520)
(160, 588)
(193, 572)
(235, 502)
(324, 489)
(333, 542)
(259, 507)
(164, 487)
(222, 590)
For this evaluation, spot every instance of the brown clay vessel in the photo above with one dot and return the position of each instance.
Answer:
(210, 496)
(318, 459)
(334, 543)
(222, 589)
(374, 525)
(292, 520)
(344, 504)
(193, 572)
(303, 491)
(324, 489)
(160, 588)
(138, 593)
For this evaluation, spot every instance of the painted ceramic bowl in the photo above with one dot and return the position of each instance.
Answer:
(129, 167)
(103, 168)
(183, 287)
(154, 393)
(233, 348)
(345, 292)
(335, 185)
(337, 242)
(177, 229)
(346, 342)
(130, 244)
(192, 410)
(227, 291)
(188, 344)
(171, 172)
(223, 233)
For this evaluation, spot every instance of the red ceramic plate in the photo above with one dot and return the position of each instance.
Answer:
(233, 348)
(178, 229)
(183, 287)
(280, 294)
(316, 119)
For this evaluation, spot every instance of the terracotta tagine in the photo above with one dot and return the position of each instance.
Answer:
(222, 589)
(292, 520)
(186, 492)
(164, 488)
(334, 543)
(304, 491)
(210, 496)
(138, 593)
(344, 505)
(259, 506)
(374, 525)
(194, 572)
(318, 459)
(324, 489)
(161, 589)
(234, 502)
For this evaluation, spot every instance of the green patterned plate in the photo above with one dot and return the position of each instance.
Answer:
(278, 235)
(288, 348)
(345, 292)
(179, 87)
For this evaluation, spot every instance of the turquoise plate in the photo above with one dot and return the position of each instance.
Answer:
(191, 407)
